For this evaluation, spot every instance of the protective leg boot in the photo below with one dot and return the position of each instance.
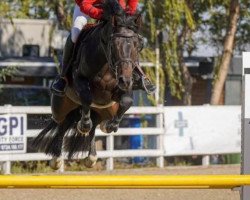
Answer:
(59, 85)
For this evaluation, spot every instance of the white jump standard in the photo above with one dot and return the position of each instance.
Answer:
(245, 138)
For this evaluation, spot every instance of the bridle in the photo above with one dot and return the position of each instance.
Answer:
(113, 65)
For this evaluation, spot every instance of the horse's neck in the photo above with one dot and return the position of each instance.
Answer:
(103, 36)
(91, 50)
(100, 38)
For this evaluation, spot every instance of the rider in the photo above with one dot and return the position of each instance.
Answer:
(82, 11)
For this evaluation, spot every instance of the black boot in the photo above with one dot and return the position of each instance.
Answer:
(145, 84)
(150, 88)
(142, 82)
(58, 87)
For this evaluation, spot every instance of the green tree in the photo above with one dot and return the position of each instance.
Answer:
(38, 9)
(175, 19)
(224, 24)
(231, 30)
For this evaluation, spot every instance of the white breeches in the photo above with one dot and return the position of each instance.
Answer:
(79, 21)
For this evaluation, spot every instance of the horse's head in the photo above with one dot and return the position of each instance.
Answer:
(123, 46)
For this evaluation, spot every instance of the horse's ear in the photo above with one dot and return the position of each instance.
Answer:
(116, 21)
(138, 21)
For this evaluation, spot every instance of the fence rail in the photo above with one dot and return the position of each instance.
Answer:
(110, 153)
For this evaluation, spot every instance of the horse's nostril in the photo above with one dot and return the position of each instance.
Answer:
(121, 80)
(124, 83)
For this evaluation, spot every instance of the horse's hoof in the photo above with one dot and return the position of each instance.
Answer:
(84, 129)
(55, 163)
(108, 127)
(90, 161)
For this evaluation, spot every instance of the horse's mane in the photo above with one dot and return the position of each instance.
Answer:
(112, 10)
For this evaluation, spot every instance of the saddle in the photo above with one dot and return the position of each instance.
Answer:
(87, 29)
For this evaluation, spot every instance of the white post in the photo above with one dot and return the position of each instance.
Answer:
(61, 169)
(245, 138)
(110, 148)
(7, 163)
(159, 118)
(157, 67)
(7, 167)
(205, 160)
(160, 140)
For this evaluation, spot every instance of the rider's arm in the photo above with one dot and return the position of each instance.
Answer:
(132, 6)
(86, 6)
(123, 4)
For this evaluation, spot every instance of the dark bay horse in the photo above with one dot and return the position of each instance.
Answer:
(107, 54)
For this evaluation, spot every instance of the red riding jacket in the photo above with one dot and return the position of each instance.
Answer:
(88, 7)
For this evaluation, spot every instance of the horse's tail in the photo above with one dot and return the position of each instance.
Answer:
(50, 139)
(44, 137)
(75, 143)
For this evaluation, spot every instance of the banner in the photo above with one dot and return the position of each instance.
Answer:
(201, 130)
(12, 133)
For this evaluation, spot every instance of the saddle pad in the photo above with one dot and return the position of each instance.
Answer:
(89, 25)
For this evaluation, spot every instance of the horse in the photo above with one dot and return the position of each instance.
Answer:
(107, 53)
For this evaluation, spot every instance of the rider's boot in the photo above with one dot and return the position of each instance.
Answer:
(59, 85)
(142, 81)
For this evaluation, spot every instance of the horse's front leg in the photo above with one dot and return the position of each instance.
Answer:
(85, 124)
(83, 89)
(126, 101)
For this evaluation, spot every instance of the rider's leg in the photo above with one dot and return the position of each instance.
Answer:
(60, 83)
(142, 81)
(79, 21)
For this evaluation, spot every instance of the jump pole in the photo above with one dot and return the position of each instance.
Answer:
(127, 181)
(245, 138)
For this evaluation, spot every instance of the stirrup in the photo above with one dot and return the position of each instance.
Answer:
(147, 85)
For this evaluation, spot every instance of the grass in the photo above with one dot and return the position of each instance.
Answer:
(119, 163)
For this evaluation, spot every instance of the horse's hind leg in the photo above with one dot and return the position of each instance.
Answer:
(61, 107)
(90, 161)
(83, 90)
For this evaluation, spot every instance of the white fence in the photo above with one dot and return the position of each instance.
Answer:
(164, 131)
